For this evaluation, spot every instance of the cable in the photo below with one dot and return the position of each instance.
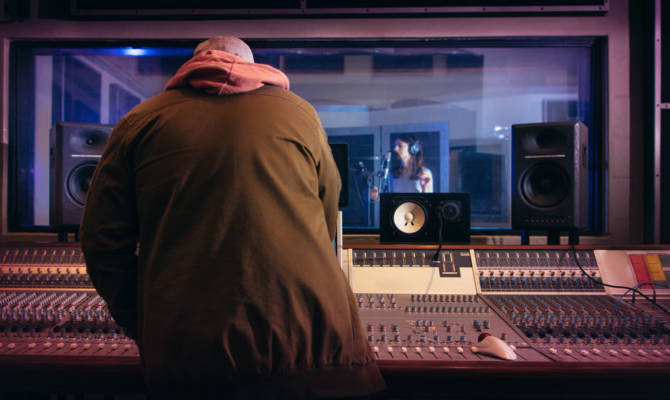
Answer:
(628, 289)
(436, 256)
(653, 286)
(441, 216)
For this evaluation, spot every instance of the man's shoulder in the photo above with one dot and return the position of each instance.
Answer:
(175, 97)
(285, 95)
(164, 99)
(153, 104)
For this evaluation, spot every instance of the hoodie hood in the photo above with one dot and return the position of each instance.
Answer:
(217, 72)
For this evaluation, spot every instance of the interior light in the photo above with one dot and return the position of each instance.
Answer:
(134, 51)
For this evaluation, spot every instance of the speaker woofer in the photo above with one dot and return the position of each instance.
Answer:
(409, 217)
(79, 181)
(544, 185)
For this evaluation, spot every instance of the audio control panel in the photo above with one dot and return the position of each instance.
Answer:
(409, 271)
(46, 267)
(60, 323)
(435, 327)
(588, 328)
(417, 304)
(547, 304)
(48, 307)
(538, 271)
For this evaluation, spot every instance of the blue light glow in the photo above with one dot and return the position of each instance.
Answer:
(134, 51)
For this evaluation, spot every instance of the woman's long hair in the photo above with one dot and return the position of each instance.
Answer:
(415, 164)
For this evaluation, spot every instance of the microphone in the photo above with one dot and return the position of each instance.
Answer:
(384, 171)
(386, 164)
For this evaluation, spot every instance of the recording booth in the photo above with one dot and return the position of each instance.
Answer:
(525, 256)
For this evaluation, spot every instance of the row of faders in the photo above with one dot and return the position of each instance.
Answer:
(588, 328)
(434, 327)
(538, 271)
(49, 307)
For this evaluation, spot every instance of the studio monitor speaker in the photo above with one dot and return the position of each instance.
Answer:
(75, 150)
(417, 217)
(550, 176)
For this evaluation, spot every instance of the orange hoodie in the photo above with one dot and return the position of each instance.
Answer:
(217, 72)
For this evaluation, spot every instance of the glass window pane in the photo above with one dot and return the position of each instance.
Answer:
(449, 103)
(470, 98)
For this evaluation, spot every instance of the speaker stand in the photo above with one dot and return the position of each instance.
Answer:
(63, 234)
(573, 237)
(553, 237)
(525, 237)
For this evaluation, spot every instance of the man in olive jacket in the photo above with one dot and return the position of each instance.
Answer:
(227, 183)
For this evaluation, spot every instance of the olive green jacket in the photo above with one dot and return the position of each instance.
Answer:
(235, 285)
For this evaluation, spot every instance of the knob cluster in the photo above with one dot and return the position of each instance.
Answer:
(581, 320)
(542, 281)
(36, 277)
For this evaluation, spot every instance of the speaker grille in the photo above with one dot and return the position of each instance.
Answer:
(547, 220)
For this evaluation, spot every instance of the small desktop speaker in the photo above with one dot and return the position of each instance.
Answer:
(75, 150)
(415, 217)
(550, 176)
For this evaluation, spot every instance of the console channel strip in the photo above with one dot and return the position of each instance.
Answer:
(48, 307)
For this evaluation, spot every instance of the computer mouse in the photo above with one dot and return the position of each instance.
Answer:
(491, 345)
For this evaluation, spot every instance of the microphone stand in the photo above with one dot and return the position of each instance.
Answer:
(370, 178)
(383, 174)
(366, 178)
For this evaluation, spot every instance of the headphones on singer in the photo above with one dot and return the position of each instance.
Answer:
(415, 148)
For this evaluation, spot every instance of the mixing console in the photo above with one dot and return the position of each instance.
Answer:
(418, 308)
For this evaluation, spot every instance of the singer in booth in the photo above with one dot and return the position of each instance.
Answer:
(408, 172)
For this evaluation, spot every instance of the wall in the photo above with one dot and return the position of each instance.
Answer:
(614, 25)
